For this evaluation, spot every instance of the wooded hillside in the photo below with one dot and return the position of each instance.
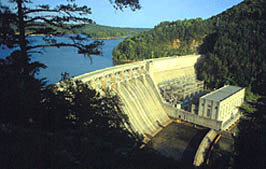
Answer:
(235, 51)
(233, 43)
(166, 39)
(96, 31)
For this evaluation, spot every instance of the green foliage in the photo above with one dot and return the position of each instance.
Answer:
(20, 94)
(234, 54)
(82, 106)
(234, 51)
(165, 39)
(233, 43)
(250, 96)
(76, 128)
(60, 126)
(250, 143)
(92, 30)
(248, 108)
(100, 31)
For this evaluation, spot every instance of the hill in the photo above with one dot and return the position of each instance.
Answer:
(235, 50)
(166, 39)
(233, 43)
(100, 31)
(97, 31)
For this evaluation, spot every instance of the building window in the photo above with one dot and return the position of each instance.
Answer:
(209, 112)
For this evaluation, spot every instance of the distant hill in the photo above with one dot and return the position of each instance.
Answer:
(100, 31)
(233, 42)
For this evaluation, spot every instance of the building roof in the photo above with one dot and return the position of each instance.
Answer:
(222, 93)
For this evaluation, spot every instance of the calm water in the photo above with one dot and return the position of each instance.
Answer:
(66, 59)
(178, 141)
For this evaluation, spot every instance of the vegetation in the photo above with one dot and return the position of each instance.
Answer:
(73, 128)
(234, 55)
(99, 31)
(233, 44)
(62, 130)
(50, 128)
(54, 128)
(250, 146)
(234, 52)
(93, 30)
(166, 39)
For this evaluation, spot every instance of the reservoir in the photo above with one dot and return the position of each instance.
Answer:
(67, 59)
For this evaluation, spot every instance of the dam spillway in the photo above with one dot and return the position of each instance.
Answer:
(137, 86)
(141, 104)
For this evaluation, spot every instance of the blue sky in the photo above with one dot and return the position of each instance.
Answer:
(152, 12)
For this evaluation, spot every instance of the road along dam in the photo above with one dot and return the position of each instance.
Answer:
(137, 84)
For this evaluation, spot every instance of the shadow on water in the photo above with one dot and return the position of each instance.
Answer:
(221, 153)
(179, 142)
(191, 149)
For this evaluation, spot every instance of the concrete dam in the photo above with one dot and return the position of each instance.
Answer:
(137, 84)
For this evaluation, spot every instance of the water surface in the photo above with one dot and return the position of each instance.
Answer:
(178, 141)
(67, 59)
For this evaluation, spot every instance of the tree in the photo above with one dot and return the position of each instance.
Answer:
(165, 39)
(45, 127)
(250, 143)
(63, 19)
(23, 20)
(18, 21)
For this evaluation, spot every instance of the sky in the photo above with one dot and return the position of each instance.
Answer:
(152, 12)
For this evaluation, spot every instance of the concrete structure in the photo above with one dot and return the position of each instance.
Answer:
(204, 147)
(222, 104)
(217, 110)
(137, 85)
(181, 88)
(155, 92)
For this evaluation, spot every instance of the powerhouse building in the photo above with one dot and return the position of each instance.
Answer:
(217, 110)
(222, 105)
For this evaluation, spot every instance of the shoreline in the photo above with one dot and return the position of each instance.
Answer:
(105, 38)
(109, 37)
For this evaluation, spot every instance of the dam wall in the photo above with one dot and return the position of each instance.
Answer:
(137, 86)
(160, 70)
(190, 117)
(166, 69)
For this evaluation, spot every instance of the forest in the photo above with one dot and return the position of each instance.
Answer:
(46, 127)
(94, 30)
(100, 31)
(65, 125)
(233, 45)
(165, 39)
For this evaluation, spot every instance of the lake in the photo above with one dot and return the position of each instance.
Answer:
(67, 59)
